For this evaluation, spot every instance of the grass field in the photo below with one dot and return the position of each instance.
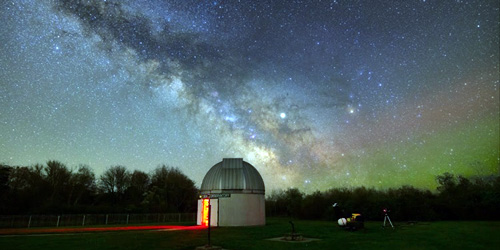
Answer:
(433, 235)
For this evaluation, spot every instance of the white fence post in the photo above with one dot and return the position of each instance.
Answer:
(83, 223)
(127, 219)
(29, 222)
(106, 219)
(58, 218)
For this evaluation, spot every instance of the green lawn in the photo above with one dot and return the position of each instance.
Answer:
(433, 235)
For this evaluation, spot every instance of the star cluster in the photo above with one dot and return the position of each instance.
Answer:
(315, 94)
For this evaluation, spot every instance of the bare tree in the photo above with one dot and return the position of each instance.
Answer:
(115, 180)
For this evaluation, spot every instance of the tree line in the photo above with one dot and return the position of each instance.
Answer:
(54, 188)
(456, 198)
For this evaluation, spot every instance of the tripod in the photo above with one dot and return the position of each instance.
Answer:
(386, 218)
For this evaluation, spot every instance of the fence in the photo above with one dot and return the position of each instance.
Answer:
(68, 220)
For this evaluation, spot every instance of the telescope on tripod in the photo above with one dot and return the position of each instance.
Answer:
(386, 217)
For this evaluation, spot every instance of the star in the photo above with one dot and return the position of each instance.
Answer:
(306, 91)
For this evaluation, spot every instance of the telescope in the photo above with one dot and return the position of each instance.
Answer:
(386, 217)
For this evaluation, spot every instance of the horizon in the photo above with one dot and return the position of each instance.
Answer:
(268, 193)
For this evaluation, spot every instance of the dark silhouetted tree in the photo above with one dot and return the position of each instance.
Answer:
(29, 190)
(135, 194)
(82, 186)
(4, 188)
(113, 182)
(54, 188)
(176, 189)
(315, 206)
(286, 203)
(57, 176)
(409, 203)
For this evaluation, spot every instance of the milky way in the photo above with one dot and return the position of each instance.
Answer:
(314, 94)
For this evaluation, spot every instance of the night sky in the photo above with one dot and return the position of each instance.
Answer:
(314, 94)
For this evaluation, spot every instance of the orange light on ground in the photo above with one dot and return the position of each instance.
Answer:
(204, 211)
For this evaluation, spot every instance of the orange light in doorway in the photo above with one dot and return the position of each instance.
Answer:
(204, 212)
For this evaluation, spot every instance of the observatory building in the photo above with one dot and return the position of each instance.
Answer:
(235, 191)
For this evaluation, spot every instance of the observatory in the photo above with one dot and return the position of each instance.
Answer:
(235, 191)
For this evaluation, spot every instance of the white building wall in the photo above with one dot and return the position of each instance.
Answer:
(242, 210)
(237, 210)
(214, 211)
(198, 214)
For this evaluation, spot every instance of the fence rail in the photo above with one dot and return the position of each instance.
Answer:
(68, 220)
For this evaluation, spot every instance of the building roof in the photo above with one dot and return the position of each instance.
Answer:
(233, 175)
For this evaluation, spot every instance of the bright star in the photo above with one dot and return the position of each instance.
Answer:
(283, 115)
